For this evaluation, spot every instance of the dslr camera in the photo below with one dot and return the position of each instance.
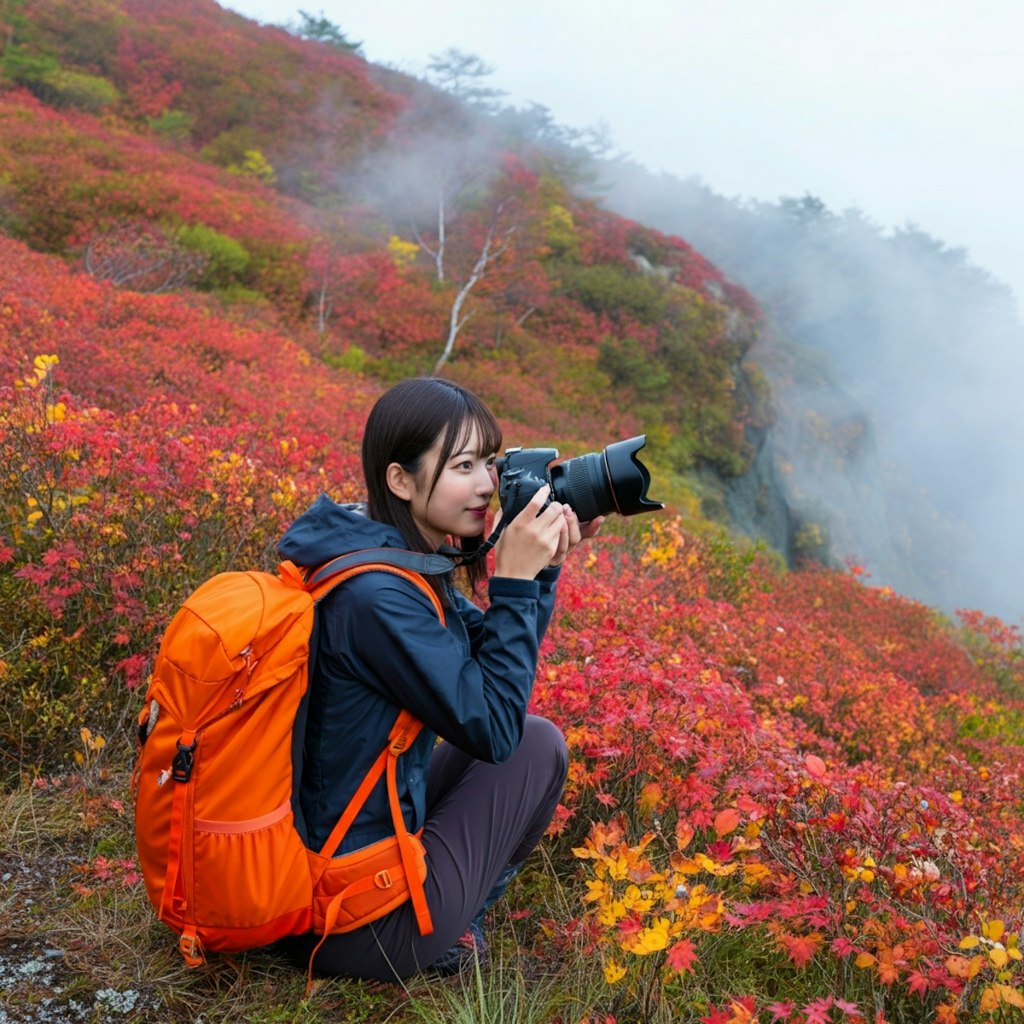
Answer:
(592, 485)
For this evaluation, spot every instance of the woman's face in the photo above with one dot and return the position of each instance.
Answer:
(458, 504)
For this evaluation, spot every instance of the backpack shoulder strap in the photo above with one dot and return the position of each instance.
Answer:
(414, 561)
(321, 581)
(410, 565)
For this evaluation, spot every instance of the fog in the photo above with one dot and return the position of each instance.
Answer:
(897, 366)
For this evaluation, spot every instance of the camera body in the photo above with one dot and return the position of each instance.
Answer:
(521, 473)
(592, 485)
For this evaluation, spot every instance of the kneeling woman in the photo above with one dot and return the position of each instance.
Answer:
(485, 795)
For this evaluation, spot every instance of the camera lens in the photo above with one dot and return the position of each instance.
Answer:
(614, 480)
(582, 484)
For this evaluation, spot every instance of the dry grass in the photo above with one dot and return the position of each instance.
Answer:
(79, 941)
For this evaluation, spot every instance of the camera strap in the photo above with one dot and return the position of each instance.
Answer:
(468, 558)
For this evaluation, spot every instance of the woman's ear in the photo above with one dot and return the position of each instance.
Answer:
(399, 481)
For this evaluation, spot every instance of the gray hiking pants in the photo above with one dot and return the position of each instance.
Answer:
(481, 818)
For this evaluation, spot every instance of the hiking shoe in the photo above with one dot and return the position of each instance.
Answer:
(469, 950)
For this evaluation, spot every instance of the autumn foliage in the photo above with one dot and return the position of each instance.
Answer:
(793, 796)
(787, 774)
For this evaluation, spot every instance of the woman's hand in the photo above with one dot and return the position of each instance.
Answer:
(532, 539)
(536, 539)
(577, 532)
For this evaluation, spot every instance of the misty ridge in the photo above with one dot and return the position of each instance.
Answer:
(895, 363)
(896, 366)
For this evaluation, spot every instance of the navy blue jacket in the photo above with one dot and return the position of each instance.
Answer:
(381, 648)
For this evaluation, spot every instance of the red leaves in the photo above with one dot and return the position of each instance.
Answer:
(800, 948)
(681, 956)
(726, 821)
(742, 717)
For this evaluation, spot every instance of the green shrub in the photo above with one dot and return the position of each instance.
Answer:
(173, 125)
(57, 86)
(353, 359)
(605, 288)
(629, 363)
(228, 259)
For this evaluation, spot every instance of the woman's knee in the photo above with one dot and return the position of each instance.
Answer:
(546, 742)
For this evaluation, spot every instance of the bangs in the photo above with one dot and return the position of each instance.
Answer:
(488, 432)
(475, 416)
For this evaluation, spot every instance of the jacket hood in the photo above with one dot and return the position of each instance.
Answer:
(327, 529)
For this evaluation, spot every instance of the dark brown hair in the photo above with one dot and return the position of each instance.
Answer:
(403, 424)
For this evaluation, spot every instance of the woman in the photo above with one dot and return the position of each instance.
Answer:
(485, 795)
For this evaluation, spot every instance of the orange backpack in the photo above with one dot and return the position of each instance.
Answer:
(223, 861)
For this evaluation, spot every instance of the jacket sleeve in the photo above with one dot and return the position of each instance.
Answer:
(386, 635)
(473, 617)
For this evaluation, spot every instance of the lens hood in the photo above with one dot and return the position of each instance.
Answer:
(628, 477)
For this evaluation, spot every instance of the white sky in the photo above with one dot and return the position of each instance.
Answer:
(911, 110)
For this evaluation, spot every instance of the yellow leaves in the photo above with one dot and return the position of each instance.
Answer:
(651, 939)
(638, 900)
(999, 957)
(617, 866)
(962, 967)
(91, 743)
(254, 165)
(1010, 995)
(649, 799)
(755, 873)
(998, 951)
(402, 253)
(35, 513)
(995, 995)
(658, 555)
(41, 367)
(611, 911)
(666, 544)
(286, 494)
(560, 231)
(702, 862)
(613, 972)
(645, 910)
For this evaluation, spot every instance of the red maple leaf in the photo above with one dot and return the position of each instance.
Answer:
(917, 982)
(682, 956)
(801, 948)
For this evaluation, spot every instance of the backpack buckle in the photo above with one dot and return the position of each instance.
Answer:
(190, 948)
(181, 766)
